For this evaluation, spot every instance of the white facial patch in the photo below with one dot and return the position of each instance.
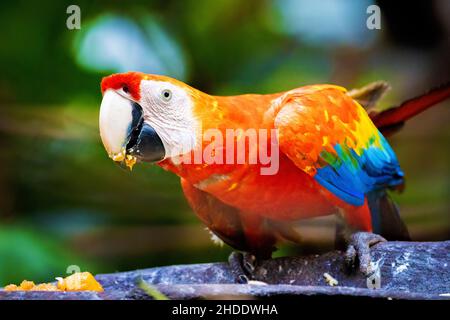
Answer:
(168, 109)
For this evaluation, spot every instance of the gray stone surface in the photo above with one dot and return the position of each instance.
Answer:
(408, 270)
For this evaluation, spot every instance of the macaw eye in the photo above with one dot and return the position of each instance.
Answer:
(166, 94)
(125, 89)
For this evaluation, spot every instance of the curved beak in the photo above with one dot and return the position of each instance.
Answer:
(125, 135)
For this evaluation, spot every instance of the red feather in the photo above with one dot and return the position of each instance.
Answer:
(131, 81)
(395, 117)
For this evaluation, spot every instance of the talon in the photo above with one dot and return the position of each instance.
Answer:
(243, 279)
(249, 262)
(350, 257)
(358, 251)
(242, 266)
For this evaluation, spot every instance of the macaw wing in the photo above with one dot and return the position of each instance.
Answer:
(329, 136)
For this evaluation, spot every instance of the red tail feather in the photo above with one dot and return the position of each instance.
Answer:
(394, 117)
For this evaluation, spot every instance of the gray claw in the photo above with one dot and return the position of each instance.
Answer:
(242, 266)
(359, 250)
(249, 262)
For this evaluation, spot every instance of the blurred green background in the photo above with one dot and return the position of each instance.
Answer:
(63, 202)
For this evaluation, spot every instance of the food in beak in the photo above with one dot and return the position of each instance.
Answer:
(130, 161)
(122, 156)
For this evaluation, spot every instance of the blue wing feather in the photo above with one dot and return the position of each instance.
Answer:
(351, 176)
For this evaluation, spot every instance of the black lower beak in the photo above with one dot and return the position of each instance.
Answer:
(144, 143)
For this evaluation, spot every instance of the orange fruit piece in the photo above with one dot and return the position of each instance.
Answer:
(79, 281)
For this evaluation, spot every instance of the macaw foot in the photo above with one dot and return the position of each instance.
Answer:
(358, 251)
(242, 266)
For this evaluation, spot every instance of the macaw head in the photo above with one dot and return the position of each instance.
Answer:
(146, 117)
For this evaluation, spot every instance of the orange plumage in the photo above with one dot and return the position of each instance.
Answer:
(332, 159)
(249, 202)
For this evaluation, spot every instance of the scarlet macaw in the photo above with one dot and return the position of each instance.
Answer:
(332, 159)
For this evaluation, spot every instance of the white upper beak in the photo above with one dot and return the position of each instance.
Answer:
(115, 122)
